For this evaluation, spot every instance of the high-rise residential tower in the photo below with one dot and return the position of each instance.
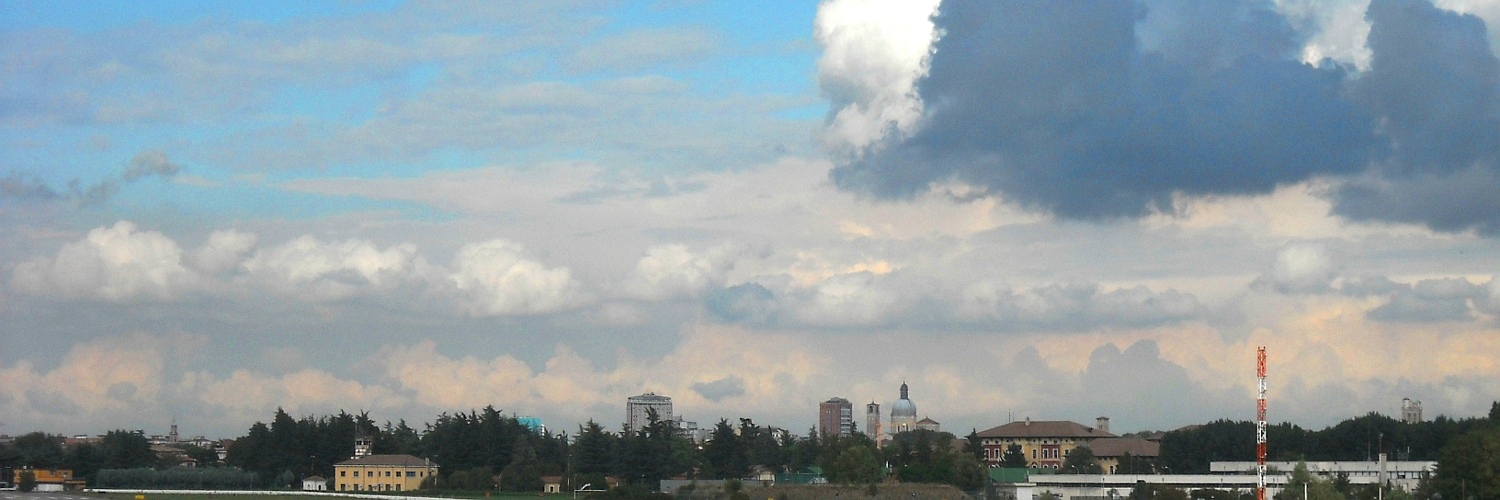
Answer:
(638, 410)
(836, 417)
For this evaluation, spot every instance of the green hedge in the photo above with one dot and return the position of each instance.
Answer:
(212, 478)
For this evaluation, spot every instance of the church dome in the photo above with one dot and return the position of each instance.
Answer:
(903, 407)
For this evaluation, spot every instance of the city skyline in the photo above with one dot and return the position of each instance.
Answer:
(212, 210)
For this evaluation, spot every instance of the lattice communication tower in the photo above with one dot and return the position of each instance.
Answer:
(1260, 424)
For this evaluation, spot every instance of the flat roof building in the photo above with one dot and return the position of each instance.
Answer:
(639, 408)
(836, 417)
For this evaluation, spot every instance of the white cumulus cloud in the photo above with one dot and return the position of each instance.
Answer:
(116, 263)
(323, 271)
(494, 278)
(1301, 268)
(224, 250)
(673, 271)
(873, 53)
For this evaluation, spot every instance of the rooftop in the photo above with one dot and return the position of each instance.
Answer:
(397, 460)
(1119, 446)
(1044, 429)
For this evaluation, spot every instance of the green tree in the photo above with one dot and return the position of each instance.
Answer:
(807, 451)
(524, 471)
(855, 464)
(724, 453)
(122, 449)
(398, 439)
(973, 446)
(1131, 464)
(1081, 461)
(969, 474)
(38, 450)
(762, 445)
(653, 453)
(27, 481)
(594, 450)
(204, 457)
(1304, 486)
(1013, 457)
(1469, 466)
(85, 459)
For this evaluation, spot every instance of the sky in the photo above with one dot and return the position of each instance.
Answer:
(1045, 210)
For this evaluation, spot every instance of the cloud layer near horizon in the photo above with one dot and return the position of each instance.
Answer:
(550, 207)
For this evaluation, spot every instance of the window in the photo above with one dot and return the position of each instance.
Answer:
(341, 473)
(411, 473)
(387, 473)
(1033, 453)
(356, 473)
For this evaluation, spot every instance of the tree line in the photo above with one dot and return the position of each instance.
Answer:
(118, 449)
(485, 449)
(1190, 449)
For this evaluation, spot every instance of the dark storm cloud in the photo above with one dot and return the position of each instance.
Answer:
(1056, 106)
(25, 187)
(144, 164)
(721, 389)
(750, 303)
(1436, 83)
(1429, 301)
(1107, 108)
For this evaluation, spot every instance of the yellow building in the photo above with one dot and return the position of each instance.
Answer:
(51, 479)
(1045, 443)
(382, 473)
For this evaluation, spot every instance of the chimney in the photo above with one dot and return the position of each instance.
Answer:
(1102, 423)
(1028, 421)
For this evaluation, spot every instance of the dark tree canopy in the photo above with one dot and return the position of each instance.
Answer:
(1081, 461)
(1013, 457)
(1469, 466)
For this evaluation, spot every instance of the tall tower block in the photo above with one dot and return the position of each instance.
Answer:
(1260, 424)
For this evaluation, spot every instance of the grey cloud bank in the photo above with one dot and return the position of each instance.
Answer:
(1098, 110)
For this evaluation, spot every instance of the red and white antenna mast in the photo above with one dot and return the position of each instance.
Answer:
(1260, 424)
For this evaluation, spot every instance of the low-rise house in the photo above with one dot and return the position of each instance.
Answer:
(315, 483)
(552, 484)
